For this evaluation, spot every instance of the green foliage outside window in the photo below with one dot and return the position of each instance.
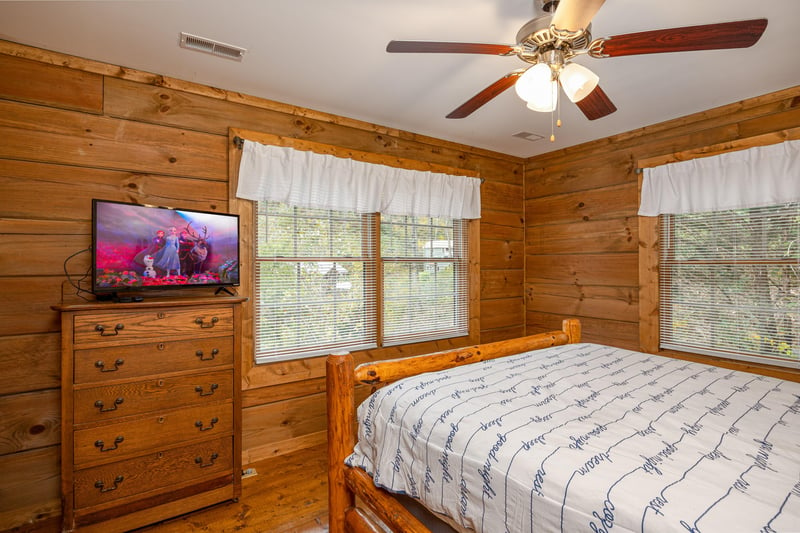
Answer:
(731, 281)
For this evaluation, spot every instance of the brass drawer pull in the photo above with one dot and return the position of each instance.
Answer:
(100, 485)
(201, 355)
(199, 389)
(103, 333)
(100, 405)
(199, 424)
(203, 324)
(199, 460)
(100, 444)
(102, 366)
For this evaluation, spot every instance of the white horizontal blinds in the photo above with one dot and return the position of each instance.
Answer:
(315, 282)
(730, 283)
(425, 278)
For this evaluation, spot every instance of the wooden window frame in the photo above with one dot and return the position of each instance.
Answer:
(260, 375)
(649, 250)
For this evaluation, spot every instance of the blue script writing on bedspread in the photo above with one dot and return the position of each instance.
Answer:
(585, 437)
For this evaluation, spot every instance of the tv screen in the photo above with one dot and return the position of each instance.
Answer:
(137, 247)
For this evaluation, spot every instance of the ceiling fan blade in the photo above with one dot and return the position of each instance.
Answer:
(739, 34)
(575, 15)
(468, 107)
(596, 104)
(449, 48)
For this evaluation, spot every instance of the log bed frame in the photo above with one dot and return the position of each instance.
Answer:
(354, 501)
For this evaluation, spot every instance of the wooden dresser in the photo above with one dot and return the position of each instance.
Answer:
(151, 410)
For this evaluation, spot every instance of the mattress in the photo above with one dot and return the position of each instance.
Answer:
(585, 437)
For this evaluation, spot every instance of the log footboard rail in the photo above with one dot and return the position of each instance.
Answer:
(349, 488)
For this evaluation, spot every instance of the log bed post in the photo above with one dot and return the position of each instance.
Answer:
(341, 413)
(572, 327)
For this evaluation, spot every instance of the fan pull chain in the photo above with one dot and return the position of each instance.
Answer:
(558, 104)
(558, 123)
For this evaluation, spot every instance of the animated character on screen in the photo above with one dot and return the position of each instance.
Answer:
(152, 250)
(149, 271)
(167, 258)
(197, 250)
(186, 243)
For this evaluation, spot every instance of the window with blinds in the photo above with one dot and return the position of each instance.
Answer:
(315, 282)
(729, 283)
(328, 280)
(425, 278)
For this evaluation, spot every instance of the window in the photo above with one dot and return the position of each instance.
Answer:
(423, 299)
(331, 280)
(730, 283)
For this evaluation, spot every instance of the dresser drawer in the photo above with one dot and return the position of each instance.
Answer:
(156, 470)
(127, 327)
(124, 439)
(156, 394)
(96, 365)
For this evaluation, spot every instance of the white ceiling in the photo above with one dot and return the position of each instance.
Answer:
(329, 55)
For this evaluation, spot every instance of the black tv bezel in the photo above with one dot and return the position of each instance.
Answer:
(112, 291)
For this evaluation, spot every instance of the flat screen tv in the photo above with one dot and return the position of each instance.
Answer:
(140, 247)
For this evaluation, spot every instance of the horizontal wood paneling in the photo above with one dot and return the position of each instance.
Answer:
(682, 131)
(574, 174)
(501, 254)
(613, 303)
(283, 391)
(30, 420)
(501, 313)
(25, 304)
(29, 362)
(500, 283)
(282, 421)
(503, 233)
(603, 204)
(603, 236)
(70, 191)
(615, 269)
(29, 489)
(600, 331)
(501, 197)
(162, 105)
(31, 81)
(501, 218)
(32, 255)
(501, 334)
(67, 137)
(582, 231)
(133, 136)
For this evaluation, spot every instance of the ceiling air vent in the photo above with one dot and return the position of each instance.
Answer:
(209, 46)
(528, 136)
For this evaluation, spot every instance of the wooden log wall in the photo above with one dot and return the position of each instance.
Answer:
(74, 129)
(563, 242)
(582, 241)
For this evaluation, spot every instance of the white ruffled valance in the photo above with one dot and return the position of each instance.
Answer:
(310, 179)
(757, 177)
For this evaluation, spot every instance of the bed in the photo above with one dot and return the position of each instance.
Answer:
(546, 433)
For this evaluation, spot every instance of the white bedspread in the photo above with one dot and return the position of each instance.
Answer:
(586, 437)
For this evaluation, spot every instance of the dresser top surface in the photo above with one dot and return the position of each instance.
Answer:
(149, 303)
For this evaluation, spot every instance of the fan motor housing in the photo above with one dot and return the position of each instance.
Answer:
(538, 36)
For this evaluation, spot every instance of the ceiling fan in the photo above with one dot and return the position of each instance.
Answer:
(551, 41)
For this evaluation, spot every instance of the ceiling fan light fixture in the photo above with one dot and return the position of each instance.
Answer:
(546, 101)
(577, 81)
(538, 88)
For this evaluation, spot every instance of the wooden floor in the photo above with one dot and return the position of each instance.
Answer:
(288, 494)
